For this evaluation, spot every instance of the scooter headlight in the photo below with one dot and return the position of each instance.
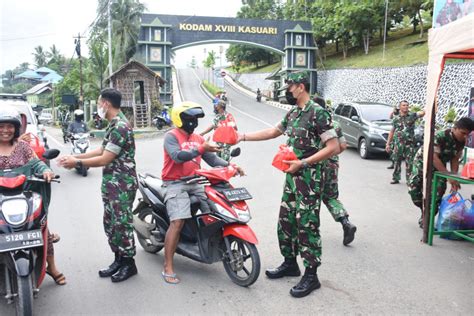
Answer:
(244, 216)
(241, 216)
(15, 211)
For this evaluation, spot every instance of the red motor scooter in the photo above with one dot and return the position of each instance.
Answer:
(217, 230)
(23, 237)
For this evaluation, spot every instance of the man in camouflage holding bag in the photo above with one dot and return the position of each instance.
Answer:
(448, 148)
(119, 183)
(313, 139)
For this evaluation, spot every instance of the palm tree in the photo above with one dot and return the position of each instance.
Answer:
(126, 15)
(40, 56)
(54, 55)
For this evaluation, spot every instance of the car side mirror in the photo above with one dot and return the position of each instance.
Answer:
(235, 152)
(51, 154)
(355, 118)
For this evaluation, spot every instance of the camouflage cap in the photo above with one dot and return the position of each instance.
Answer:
(296, 77)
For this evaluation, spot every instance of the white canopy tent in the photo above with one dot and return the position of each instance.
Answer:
(453, 40)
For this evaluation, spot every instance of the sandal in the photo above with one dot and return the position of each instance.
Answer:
(60, 279)
(55, 238)
(170, 278)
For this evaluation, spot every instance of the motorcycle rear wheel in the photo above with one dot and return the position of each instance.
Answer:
(238, 269)
(147, 216)
(24, 299)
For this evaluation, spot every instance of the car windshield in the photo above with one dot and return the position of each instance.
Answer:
(376, 112)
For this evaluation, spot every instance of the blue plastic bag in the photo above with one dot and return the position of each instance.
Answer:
(450, 215)
(468, 215)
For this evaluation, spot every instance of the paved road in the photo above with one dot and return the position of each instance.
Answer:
(386, 270)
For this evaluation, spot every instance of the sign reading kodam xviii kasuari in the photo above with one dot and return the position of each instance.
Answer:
(160, 34)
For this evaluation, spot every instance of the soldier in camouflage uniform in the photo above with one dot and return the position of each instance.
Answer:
(313, 139)
(403, 135)
(448, 147)
(119, 184)
(331, 187)
(395, 112)
(222, 118)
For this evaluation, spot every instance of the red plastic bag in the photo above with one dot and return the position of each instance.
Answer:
(284, 153)
(468, 170)
(226, 135)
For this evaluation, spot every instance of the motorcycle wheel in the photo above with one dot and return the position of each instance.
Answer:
(245, 268)
(147, 216)
(84, 171)
(159, 126)
(24, 299)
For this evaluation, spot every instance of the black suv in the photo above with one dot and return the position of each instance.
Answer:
(365, 125)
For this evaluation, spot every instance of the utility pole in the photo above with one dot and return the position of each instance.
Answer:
(77, 41)
(109, 18)
(385, 30)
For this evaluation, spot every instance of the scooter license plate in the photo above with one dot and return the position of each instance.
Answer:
(237, 194)
(21, 240)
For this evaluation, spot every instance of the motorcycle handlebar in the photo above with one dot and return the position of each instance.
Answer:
(39, 177)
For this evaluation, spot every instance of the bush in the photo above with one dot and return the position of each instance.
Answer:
(211, 88)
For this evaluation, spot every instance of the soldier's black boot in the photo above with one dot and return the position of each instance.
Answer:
(288, 268)
(308, 283)
(349, 230)
(391, 166)
(108, 272)
(126, 270)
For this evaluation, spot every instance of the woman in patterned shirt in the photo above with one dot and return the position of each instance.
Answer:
(16, 153)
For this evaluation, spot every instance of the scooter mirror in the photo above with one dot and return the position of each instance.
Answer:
(235, 152)
(51, 154)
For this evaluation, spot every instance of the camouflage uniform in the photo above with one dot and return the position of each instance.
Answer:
(119, 186)
(221, 120)
(447, 148)
(331, 190)
(404, 134)
(298, 223)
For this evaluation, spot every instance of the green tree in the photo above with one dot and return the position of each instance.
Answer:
(126, 16)
(210, 61)
(40, 56)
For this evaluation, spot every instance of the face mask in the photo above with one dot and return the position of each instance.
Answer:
(290, 98)
(101, 112)
(189, 126)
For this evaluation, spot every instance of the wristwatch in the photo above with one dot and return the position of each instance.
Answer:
(304, 163)
(78, 163)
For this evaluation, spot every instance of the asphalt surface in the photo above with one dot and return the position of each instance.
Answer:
(387, 270)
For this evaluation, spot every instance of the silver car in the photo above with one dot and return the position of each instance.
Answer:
(365, 125)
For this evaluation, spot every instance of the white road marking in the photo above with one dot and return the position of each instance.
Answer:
(236, 109)
(50, 137)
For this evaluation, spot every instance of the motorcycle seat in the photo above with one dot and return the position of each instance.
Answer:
(155, 185)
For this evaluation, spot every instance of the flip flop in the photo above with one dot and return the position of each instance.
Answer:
(59, 279)
(55, 238)
(167, 276)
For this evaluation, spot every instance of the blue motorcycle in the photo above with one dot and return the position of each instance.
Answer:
(163, 119)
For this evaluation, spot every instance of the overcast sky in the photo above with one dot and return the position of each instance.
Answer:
(25, 24)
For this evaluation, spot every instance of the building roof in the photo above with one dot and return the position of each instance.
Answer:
(45, 69)
(140, 65)
(53, 77)
(29, 74)
(39, 88)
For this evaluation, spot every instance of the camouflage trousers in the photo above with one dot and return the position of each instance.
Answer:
(118, 218)
(331, 191)
(225, 151)
(402, 152)
(415, 183)
(298, 221)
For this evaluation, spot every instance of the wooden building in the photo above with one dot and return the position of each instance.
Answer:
(140, 88)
